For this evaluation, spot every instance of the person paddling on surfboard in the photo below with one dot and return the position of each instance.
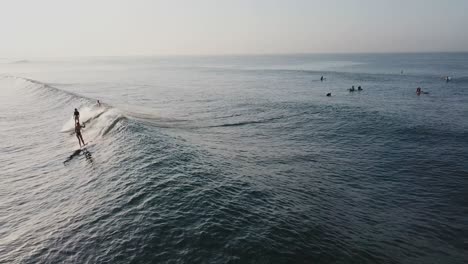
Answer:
(76, 115)
(78, 134)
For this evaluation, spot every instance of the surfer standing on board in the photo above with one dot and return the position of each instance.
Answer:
(78, 133)
(76, 115)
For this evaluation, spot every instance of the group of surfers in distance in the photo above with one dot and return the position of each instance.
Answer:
(419, 91)
(78, 126)
(352, 89)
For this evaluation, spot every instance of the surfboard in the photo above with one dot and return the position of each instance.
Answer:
(88, 145)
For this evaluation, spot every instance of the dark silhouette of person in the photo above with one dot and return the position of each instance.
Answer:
(78, 134)
(76, 115)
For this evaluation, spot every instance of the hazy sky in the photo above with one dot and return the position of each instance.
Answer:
(152, 27)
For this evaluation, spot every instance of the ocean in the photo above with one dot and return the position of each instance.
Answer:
(235, 159)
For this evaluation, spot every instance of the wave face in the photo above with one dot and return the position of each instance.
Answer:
(236, 159)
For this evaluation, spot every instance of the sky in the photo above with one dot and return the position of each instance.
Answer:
(57, 28)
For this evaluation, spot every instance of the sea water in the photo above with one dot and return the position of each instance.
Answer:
(235, 159)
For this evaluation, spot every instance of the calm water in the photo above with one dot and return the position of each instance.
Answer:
(239, 159)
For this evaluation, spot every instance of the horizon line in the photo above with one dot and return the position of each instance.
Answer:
(242, 54)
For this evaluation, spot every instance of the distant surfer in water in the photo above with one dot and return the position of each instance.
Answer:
(321, 79)
(78, 134)
(98, 103)
(76, 115)
(418, 91)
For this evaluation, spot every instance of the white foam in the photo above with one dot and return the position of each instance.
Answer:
(86, 115)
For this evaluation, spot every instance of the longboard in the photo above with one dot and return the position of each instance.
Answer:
(87, 145)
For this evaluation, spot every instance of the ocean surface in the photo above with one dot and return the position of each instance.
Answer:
(235, 159)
